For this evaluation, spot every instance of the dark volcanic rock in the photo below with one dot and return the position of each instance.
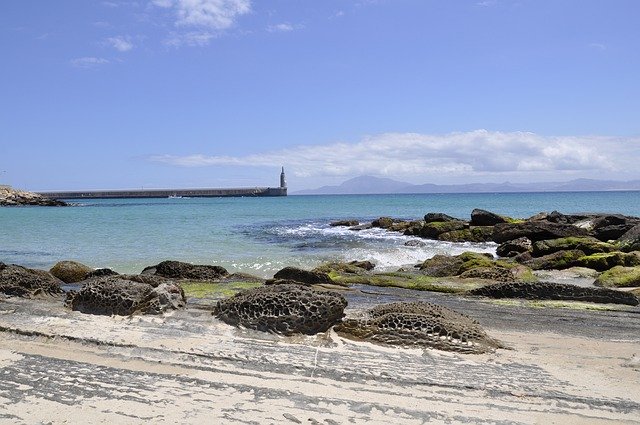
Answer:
(431, 217)
(436, 228)
(101, 273)
(180, 270)
(284, 309)
(302, 276)
(486, 218)
(555, 291)
(535, 231)
(588, 245)
(117, 296)
(514, 247)
(70, 271)
(347, 223)
(20, 281)
(420, 324)
(471, 234)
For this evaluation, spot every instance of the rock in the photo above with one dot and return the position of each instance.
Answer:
(441, 265)
(630, 241)
(415, 243)
(302, 276)
(554, 291)
(180, 270)
(514, 247)
(401, 226)
(558, 260)
(347, 223)
(113, 295)
(434, 229)
(13, 197)
(70, 271)
(366, 265)
(588, 245)
(419, 324)
(365, 226)
(431, 217)
(383, 222)
(619, 276)
(605, 261)
(20, 281)
(535, 231)
(489, 273)
(486, 218)
(101, 273)
(472, 234)
(283, 309)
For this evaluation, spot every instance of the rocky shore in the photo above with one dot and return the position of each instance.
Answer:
(14, 197)
(344, 342)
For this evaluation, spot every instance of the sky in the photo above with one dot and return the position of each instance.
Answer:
(222, 93)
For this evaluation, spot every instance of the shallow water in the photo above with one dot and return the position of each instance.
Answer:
(259, 235)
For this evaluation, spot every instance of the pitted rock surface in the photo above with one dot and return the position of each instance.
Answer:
(100, 273)
(180, 270)
(20, 281)
(118, 296)
(419, 324)
(284, 309)
(555, 291)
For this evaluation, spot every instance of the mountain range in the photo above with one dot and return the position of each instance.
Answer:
(379, 185)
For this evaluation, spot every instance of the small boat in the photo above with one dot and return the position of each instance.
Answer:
(174, 197)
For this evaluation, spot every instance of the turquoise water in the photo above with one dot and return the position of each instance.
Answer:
(259, 235)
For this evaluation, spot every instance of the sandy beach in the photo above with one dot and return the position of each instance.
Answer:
(565, 366)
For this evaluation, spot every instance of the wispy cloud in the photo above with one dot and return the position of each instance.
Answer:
(477, 152)
(88, 62)
(120, 43)
(284, 27)
(598, 46)
(198, 21)
(486, 3)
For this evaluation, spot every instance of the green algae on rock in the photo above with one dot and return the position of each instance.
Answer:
(619, 276)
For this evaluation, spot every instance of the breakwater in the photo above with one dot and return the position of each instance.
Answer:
(166, 193)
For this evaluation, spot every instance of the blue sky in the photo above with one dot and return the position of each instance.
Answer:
(197, 93)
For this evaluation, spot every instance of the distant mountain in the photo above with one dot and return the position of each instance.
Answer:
(360, 185)
(377, 185)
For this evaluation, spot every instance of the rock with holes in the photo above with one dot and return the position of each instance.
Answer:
(420, 324)
(284, 309)
(555, 291)
(114, 295)
(180, 270)
(20, 281)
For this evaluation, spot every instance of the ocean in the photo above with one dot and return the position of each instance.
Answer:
(260, 235)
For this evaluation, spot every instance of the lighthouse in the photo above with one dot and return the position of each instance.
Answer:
(283, 182)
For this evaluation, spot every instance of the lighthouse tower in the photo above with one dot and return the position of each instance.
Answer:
(283, 182)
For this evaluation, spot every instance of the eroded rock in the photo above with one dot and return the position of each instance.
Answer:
(20, 281)
(555, 291)
(180, 270)
(113, 295)
(284, 309)
(420, 324)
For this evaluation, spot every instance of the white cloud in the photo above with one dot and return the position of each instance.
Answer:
(475, 153)
(202, 20)
(283, 27)
(88, 62)
(120, 43)
(598, 46)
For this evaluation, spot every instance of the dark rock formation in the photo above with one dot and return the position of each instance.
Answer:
(605, 261)
(302, 276)
(101, 273)
(20, 281)
(496, 274)
(284, 309)
(514, 247)
(415, 243)
(347, 223)
(431, 217)
(114, 295)
(486, 218)
(383, 222)
(180, 270)
(419, 324)
(13, 197)
(555, 291)
(630, 241)
(441, 265)
(352, 267)
(471, 234)
(558, 260)
(474, 265)
(436, 228)
(70, 271)
(535, 231)
(588, 245)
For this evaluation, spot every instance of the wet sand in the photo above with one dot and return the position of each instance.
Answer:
(566, 366)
